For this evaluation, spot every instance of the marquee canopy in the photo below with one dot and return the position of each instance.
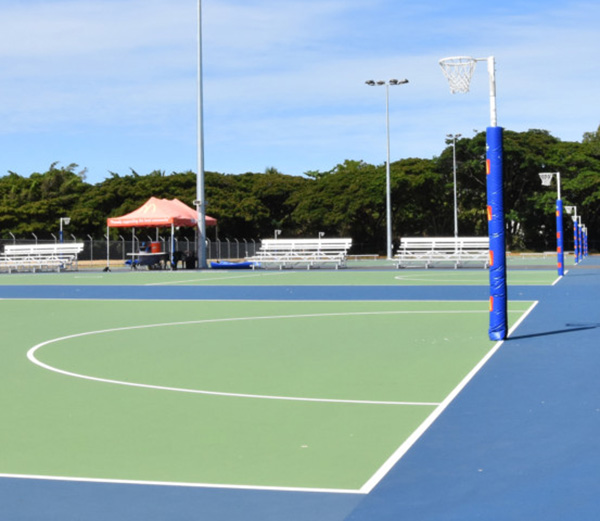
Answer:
(159, 212)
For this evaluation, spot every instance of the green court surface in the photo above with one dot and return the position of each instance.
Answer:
(318, 277)
(310, 395)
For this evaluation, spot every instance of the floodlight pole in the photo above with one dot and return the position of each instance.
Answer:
(560, 257)
(200, 200)
(388, 184)
(454, 137)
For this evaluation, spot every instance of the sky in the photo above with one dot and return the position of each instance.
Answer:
(111, 85)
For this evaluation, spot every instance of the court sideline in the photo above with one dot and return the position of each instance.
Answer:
(521, 441)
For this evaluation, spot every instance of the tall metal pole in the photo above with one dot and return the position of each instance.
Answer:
(454, 137)
(388, 184)
(200, 201)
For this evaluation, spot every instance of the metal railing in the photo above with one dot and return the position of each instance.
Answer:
(95, 249)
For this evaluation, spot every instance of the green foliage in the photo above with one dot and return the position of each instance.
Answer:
(348, 200)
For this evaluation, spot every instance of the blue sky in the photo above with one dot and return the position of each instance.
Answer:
(111, 84)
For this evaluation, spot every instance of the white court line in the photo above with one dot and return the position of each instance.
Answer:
(235, 277)
(181, 484)
(412, 439)
(365, 489)
(32, 352)
(410, 278)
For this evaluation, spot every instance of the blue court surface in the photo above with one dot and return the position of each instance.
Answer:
(518, 442)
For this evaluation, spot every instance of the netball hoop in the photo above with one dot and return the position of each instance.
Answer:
(546, 178)
(458, 71)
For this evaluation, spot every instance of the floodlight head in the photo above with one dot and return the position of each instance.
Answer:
(66, 220)
(571, 209)
(370, 82)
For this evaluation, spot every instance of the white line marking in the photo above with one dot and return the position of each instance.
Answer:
(412, 439)
(182, 484)
(31, 356)
(409, 278)
(365, 489)
(211, 279)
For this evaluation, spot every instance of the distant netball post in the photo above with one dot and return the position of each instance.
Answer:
(459, 71)
(546, 178)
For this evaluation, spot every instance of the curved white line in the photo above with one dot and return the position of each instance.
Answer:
(31, 356)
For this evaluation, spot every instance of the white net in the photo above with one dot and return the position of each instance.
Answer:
(458, 71)
(546, 179)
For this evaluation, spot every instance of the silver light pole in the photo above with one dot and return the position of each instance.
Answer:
(200, 201)
(388, 189)
(454, 137)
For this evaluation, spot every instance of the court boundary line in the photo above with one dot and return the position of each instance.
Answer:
(416, 434)
(181, 484)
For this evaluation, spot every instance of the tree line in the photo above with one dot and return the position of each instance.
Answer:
(348, 200)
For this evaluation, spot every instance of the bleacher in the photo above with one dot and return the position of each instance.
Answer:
(431, 251)
(40, 257)
(309, 253)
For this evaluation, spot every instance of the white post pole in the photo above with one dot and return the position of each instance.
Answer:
(492, 74)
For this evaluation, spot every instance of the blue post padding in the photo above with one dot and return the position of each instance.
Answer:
(576, 241)
(559, 238)
(495, 211)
